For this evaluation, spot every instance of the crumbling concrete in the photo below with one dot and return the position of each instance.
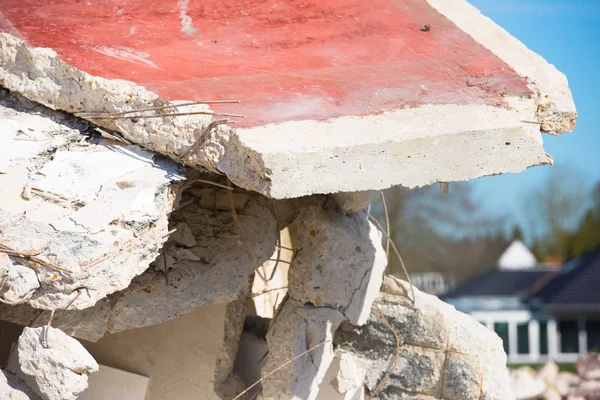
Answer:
(334, 276)
(340, 264)
(296, 329)
(59, 364)
(72, 207)
(178, 283)
(443, 353)
(94, 220)
(337, 150)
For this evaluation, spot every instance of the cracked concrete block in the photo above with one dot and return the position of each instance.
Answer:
(443, 353)
(351, 202)
(60, 371)
(217, 275)
(340, 264)
(296, 329)
(13, 388)
(78, 210)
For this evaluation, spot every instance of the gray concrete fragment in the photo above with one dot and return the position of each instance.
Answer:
(443, 353)
(13, 388)
(351, 202)
(80, 211)
(340, 264)
(214, 271)
(60, 371)
(296, 329)
(219, 275)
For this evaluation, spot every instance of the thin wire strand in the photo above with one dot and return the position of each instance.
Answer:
(236, 221)
(193, 103)
(397, 255)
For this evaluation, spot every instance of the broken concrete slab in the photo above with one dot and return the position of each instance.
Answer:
(190, 282)
(443, 353)
(489, 95)
(340, 264)
(296, 329)
(13, 388)
(72, 207)
(59, 367)
(218, 274)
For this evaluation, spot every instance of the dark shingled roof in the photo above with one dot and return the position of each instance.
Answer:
(577, 284)
(499, 283)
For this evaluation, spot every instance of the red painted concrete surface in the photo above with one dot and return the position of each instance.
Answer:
(284, 59)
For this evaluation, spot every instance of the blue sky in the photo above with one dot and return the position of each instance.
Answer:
(567, 34)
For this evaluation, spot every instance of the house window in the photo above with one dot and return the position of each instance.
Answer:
(543, 337)
(593, 335)
(501, 328)
(569, 336)
(522, 339)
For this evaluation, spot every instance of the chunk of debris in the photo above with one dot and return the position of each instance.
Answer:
(95, 215)
(340, 264)
(296, 329)
(60, 370)
(443, 353)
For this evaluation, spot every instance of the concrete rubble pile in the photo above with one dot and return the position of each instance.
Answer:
(549, 383)
(146, 244)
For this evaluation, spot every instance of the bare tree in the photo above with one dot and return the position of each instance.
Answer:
(555, 208)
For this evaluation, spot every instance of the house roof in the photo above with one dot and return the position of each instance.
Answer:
(499, 283)
(576, 285)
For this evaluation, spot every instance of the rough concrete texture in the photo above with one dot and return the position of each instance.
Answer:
(281, 160)
(61, 370)
(73, 206)
(443, 353)
(296, 329)
(556, 111)
(227, 383)
(13, 388)
(340, 264)
(344, 378)
(195, 275)
(351, 202)
(214, 271)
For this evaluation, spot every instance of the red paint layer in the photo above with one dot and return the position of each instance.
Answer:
(285, 59)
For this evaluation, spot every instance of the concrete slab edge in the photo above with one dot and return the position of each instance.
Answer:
(556, 109)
